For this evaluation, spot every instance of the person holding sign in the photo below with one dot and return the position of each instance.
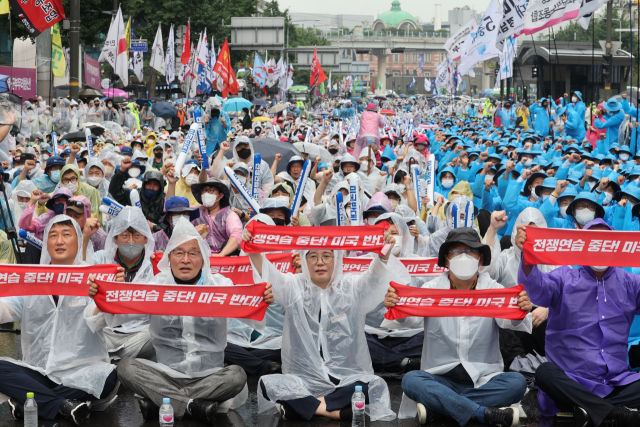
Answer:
(591, 309)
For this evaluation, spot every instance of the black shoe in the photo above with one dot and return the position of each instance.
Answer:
(204, 410)
(275, 368)
(580, 417)
(16, 409)
(410, 364)
(75, 410)
(624, 417)
(150, 410)
(287, 414)
(503, 417)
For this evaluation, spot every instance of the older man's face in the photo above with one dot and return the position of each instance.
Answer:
(186, 260)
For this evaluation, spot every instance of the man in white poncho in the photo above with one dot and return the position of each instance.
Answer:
(324, 348)
(189, 350)
(65, 361)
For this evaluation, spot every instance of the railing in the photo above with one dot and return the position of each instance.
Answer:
(369, 35)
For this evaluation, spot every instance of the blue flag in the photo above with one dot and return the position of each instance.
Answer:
(464, 85)
(413, 81)
(259, 71)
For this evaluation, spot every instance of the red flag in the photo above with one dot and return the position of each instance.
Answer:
(497, 303)
(317, 73)
(186, 48)
(224, 70)
(37, 16)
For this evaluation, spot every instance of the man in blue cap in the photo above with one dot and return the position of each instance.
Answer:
(47, 182)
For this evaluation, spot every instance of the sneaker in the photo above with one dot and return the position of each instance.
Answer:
(624, 417)
(413, 364)
(423, 412)
(204, 410)
(287, 414)
(275, 368)
(150, 411)
(16, 409)
(503, 417)
(580, 417)
(76, 411)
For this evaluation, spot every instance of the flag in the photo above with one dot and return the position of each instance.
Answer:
(136, 62)
(393, 89)
(453, 45)
(58, 61)
(485, 34)
(223, 68)
(427, 85)
(442, 74)
(204, 82)
(259, 71)
(271, 71)
(329, 79)
(4, 7)
(157, 53)
(115, 49)
(379, 84)
(539, 15)
(127, 34)
(280, 71)
(512, 22)
(373, 87)
(317, 73)
(170, 59)
(506, 60)
(37, 16)
(413, 81)
(586, 11)
(185, 68)
(464, 86)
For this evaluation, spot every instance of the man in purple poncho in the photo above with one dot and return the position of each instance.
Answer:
(591, 309)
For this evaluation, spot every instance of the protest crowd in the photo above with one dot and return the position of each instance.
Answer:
(318, 248)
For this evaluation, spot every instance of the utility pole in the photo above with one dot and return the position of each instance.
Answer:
(74, 53)
(608, 54)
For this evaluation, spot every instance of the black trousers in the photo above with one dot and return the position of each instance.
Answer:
(388, 353)
(254, 361)
(567, 393)
(16, 381)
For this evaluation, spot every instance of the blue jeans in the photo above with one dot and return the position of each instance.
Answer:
(460, 400)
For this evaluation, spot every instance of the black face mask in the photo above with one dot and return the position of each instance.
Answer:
(333, 151)
(215, 112)
(278, 221)
(244, 153)
(158, 154)
(336, 169)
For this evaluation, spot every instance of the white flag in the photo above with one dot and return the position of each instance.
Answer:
(427, 84)
(587, 9)
(455, 42)
(110, 49)
(157, 53)
(506, 60)
(122, 63)
(136, 64)
(170, 58)
(512, 22)
(539, 14)
(443, 74)
(486, 32)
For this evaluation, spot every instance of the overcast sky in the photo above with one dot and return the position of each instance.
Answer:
(419, 8)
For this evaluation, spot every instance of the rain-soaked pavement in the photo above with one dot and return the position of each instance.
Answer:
(125, 413)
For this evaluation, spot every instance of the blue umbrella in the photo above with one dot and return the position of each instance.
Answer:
(4, 86)
(236, 104)
(166, 110)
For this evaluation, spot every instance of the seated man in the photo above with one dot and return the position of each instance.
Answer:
(589, 321)
(189, 350)
(176, 207)
(79, 209)
(462, 374)
(128, 244)
(65, 361)
(321, 305)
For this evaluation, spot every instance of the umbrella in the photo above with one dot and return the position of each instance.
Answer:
(91, 93)
(116, 100)
(74, 136)
(314, 150)
(387, 113)
(236, 104)
(277, 108)
(166, 110)
(142, 102)
(115, 92)
(268, 148)
(380, 98)
(259, 101)
(95, 128)
(262, 119)
(356, 99)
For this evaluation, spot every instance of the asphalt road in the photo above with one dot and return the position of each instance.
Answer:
(125, 413)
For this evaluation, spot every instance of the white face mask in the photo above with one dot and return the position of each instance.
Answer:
(583, 216)
(209, 200)
(243, 180)
(623, 156)
(599, 267)
(108, 170)
(191, 179)
(607, 198)
(545, 197)
(175, 219)
(534, 196)
(45, 157)
(284, 199)
(134, 173)
(591, 184)
(563, 211)
(22, 205)
(464, 266)
(488, 178)
(447, 183)
(94, 181)
(527, 161)
(72, 186)
(397, 246)
(574, 99)
(394, 204)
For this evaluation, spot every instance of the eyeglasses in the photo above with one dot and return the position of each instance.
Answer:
(590, 206)
(209, 190)
(126, 236)
(457, 252)
(74, 204)
(193, 255)
(313, 259)
(70, 180)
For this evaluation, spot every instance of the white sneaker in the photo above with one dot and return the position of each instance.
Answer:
(422, 414)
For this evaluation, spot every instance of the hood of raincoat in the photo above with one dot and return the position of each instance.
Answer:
(526, 217)
(403, 233)
(153, 209)
(45, 258)
(287, 188)
(85, 202)
(379, 199)
(75, 169)
(337, 267)
(242, 140)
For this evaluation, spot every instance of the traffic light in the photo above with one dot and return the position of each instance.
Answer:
(534, 72)
(606, 68)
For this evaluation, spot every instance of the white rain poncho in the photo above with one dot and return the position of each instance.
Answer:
(409, 215)
(328, 321)
(437, 238)
(134, 218)
(266, 177)
(398, 189)
(376, 180)
(325, 213)
(364, 181)
(61, 117)
(506, 270)
(103, 187)
(270, 337)
(23, 189)
(189, 347)
(63, 342)
(468, 341)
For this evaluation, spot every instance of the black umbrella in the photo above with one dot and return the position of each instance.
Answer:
(356, 99)
(259, 101)
(268, 148)
(74, 136)
(166, 110)
(120, 100)
(142, 102)
(380, 98)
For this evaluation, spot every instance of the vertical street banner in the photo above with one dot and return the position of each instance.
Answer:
(37, 15)
(421, 64)
(58, 61)
(92, 75)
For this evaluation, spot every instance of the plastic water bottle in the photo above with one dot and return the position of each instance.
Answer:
(166, 413)
(357, 407)
(30, 412)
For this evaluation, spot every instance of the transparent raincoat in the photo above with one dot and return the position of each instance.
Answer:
(266, 177)
(329, 322)
(63, 342)
(437, 238)
(103, 187)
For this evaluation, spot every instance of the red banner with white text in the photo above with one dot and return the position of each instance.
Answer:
(71, 280)
(37, 15)
(239, 302)
(558, 246)
(496, 303)
(418, 267)
(268, 238)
